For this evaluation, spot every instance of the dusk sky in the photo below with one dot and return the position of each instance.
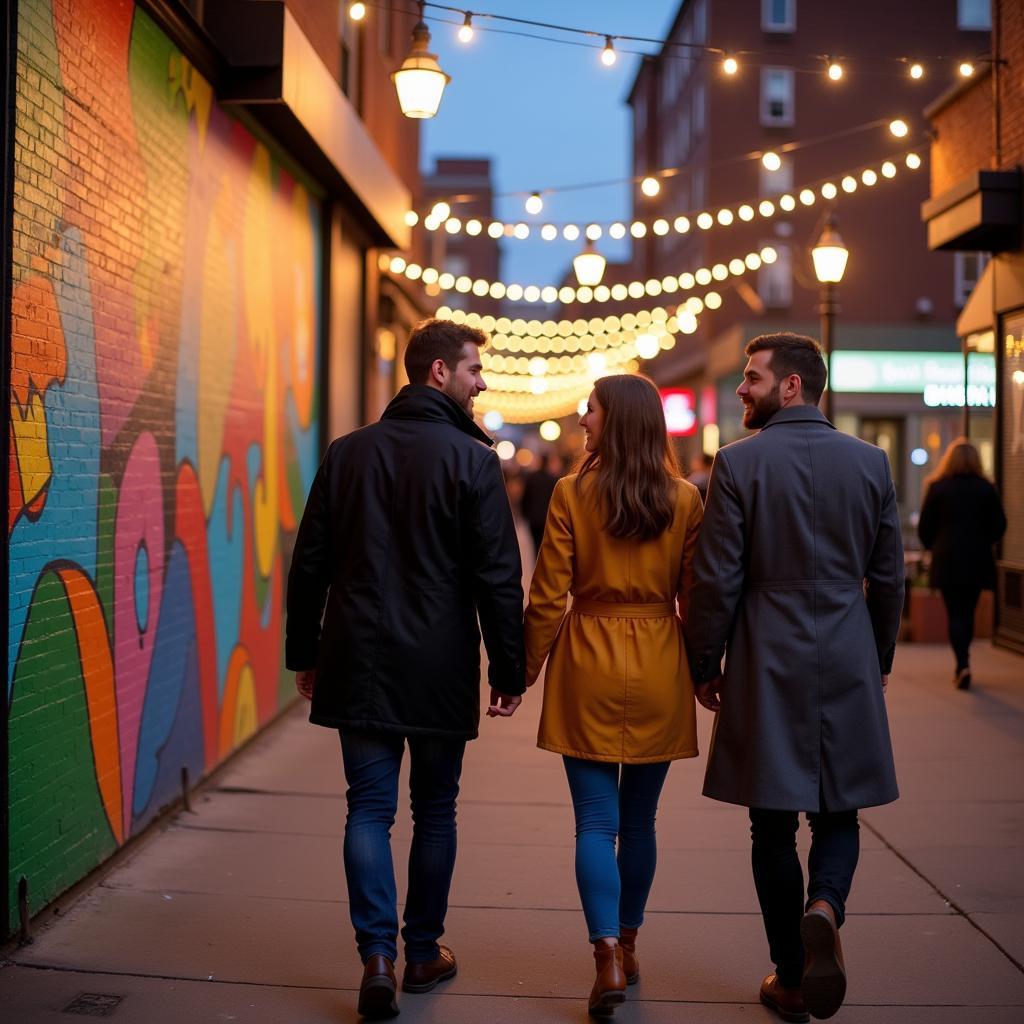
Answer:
(546, 114)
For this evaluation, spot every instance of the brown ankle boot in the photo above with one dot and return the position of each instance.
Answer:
(630, 964)
(824, 980)
(609, 988)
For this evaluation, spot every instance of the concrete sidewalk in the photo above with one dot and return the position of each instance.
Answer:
(236, 912)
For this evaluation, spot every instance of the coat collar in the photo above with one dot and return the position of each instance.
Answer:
(422, 402)
(799, 414)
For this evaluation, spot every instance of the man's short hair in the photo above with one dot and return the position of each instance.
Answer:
(794, 353)
(437, 339)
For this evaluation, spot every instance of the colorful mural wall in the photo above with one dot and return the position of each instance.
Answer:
(164, 431)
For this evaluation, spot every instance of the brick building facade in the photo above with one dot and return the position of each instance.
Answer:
(976, 205)
(192, 305)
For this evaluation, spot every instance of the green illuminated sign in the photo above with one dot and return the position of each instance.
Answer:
(937, 376)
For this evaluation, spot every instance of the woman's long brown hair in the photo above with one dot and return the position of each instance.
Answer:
(961, 458)
(635, 469)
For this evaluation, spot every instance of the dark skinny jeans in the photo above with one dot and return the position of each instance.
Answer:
(960, 604)
(779, 880)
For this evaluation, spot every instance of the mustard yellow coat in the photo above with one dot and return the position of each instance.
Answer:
(617, 686)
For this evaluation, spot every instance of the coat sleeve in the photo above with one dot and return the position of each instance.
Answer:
(718, 569)
(552, 581)
(497, 571)
(693, 523)
(885, 576)
(996, 516)
(926, 524)
(309, 576)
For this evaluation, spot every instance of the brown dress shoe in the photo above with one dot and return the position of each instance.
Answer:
(630, 964)
(424, 977)
(377, 991)
(786, 1002)
(824, 982)
(609, 988)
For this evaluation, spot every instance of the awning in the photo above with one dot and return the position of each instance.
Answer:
(999, 289)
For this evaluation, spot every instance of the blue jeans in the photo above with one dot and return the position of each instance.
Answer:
(372, 762)
(614, 890)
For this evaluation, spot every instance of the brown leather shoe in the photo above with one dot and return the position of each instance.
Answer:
(377, 992)
(824, 981)
(609, 988)
(630, 964)
(786, 1002)
(424, 977)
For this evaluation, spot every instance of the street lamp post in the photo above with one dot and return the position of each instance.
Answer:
(829, 255)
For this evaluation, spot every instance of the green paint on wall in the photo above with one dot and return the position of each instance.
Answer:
(58, 830)
(106, 520)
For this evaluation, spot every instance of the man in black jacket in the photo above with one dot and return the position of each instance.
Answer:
(408, 537)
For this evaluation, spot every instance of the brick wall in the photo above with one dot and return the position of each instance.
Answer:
(965, 128)
(163, 419)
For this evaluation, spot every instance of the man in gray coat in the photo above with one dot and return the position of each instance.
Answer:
(798, 581)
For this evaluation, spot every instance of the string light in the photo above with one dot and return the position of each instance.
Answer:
(534, 204)
(730, 65)
(412, 218)
(966, 69)
(465, 32)
(835, 70)
(916, 71)
(357, 11)
(650, 185)
(913, 161)
(608, 55)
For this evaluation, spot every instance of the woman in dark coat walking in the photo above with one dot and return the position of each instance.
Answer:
(961, 520)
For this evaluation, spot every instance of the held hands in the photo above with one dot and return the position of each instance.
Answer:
(304, 683)
(502, 705)
(709, 694)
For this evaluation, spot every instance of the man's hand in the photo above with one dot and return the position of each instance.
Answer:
(502, 705)
(709, 694)
(885, 682)
(304, 683)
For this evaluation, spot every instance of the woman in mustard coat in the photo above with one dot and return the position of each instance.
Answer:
(619, 537)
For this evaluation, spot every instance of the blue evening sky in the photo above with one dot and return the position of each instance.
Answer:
(546, 114)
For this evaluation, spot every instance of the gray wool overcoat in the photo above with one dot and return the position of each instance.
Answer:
(798, 581)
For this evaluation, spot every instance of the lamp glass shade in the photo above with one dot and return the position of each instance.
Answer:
(589, 267)
(420, 81)
(830, 256)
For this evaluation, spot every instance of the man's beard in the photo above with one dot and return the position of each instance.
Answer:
(761, 411)
(463, 397)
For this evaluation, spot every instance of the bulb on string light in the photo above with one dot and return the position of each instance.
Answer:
(608, 55)
(412, 218)
(913, 161)
(899, 127)
(357, 11)
(465, 32)
(730, 65)
(440, 211)
(771, 161)
(650, 186)
(966, 69)
(835, 69)
(534, 204)
(916, 71)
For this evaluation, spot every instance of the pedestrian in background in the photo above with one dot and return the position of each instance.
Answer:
(408, 536)
(799, 516)
(961, 520)
(536, 497)
(618, 700)
(700, 473)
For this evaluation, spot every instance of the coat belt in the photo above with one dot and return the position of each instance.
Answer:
(611, 609)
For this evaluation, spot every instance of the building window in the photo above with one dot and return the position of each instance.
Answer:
(700, 21)
(778, 15)
(775, 280)
(774, 183)
(777, 97)
(974, 15)
(699, 105)
(967, 268)
(348, 73)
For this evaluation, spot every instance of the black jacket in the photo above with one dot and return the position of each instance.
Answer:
(961, 519)
(408, 535)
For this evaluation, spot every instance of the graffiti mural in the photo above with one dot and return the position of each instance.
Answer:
(163, 431)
